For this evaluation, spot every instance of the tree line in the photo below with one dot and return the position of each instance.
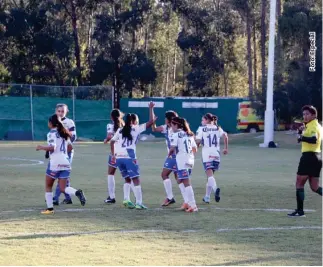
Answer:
(164, 47)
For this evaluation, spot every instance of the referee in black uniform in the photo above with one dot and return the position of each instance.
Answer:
(310, 164)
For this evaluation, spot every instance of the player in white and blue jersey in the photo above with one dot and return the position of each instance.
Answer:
(61, 111)
(59, 166)
(126, 159)
(170, 161)
(183, 144)
(208, 135)
(117, 122)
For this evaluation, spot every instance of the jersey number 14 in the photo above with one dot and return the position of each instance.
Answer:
(212, 140)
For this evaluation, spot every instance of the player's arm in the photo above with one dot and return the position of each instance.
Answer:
(72, 130)
(114, 139)
(154, 128)
(198, 136)
(225, 139)
(173, 144)
(109, 133)
(194, 146)
(51, 143)
(309, 136)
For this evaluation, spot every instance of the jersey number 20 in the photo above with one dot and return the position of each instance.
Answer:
(126, 142)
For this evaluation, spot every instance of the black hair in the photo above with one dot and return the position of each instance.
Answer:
(310, 109)
(210, 117)
(183, 124)
(56, 122)
(116, 116)
(170, 114)
(126, 130)
(134, 117)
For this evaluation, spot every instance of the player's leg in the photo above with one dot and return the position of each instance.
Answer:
(120, 163)
(315, 174)
(111, 182)
(62, 181)
(184, 175)
(301, 179)
(210, 168)
(181, 186)
(49, 181)
(168, 168)
(68, 199)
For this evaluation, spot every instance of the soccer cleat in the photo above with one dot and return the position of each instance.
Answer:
(47, 212)
(128, 204)
(217, 195)
(110, 200)
(141, 207)
(67, 201)
(184, 206)
(206, 200)
(168, 202)
(55, 203)
(297, 213)
(80, 195)
(192, 209)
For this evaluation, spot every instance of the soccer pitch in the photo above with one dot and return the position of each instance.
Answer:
(248, 226)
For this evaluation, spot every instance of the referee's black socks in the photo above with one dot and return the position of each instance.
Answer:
(300, 195)
(319, 191)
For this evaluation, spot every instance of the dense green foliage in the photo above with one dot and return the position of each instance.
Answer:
(164, 48)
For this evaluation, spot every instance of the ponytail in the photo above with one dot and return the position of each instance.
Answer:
(186, 128)
(183, 124)
(56, 122)
(211, 118)
(126, 130)
(116, 116)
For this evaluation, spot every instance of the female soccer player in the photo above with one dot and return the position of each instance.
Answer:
(310, 164)
(209, 135)
(116, 117)
(170, 162)
(59, 166)
(125, 156)
(61, 112)
(182, 141)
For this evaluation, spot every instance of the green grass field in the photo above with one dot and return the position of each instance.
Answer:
(248, 227)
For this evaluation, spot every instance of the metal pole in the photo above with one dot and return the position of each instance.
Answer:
(269, 113)
(31, 111)
(73, 100)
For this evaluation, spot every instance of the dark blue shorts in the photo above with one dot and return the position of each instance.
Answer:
(58, 174)
(184, 174)
(170, 164)
(128, 167)
(212, 165)
(112, 164)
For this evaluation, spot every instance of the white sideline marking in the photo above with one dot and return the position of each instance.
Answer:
(36, 162)
(155, 209)
(221, 230)
(268, 228)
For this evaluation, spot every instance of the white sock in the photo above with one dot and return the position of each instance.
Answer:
(49, 199)
(183, 191)
(211, 182)
(168, 188)
(208, 190)
(70, 190)
(138, 194)
(126, 191)
(190, 196)
(111, 186)
(132, 187)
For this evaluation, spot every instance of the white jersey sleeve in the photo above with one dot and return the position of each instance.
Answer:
(52, 139)
(110, 128)
(173, 140)
(199, 133)
(164, 129)
(141, 128)
(117, 136)
(193, 143)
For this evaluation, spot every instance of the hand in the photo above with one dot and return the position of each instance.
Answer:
(113, 160)
(151, 104)
(301, 129)
(225, 151)
(105, 141)
(38, 148)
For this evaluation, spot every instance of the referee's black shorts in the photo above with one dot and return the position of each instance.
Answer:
(310, 164)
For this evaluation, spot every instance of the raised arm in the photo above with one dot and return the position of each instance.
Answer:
(154, 128)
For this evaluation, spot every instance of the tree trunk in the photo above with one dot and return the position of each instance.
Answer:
(76, 41)
(263, 46)
(89, 41)
(255, 56)
(225, 80)
(167, 66)
(249, 54)
(174, 70)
